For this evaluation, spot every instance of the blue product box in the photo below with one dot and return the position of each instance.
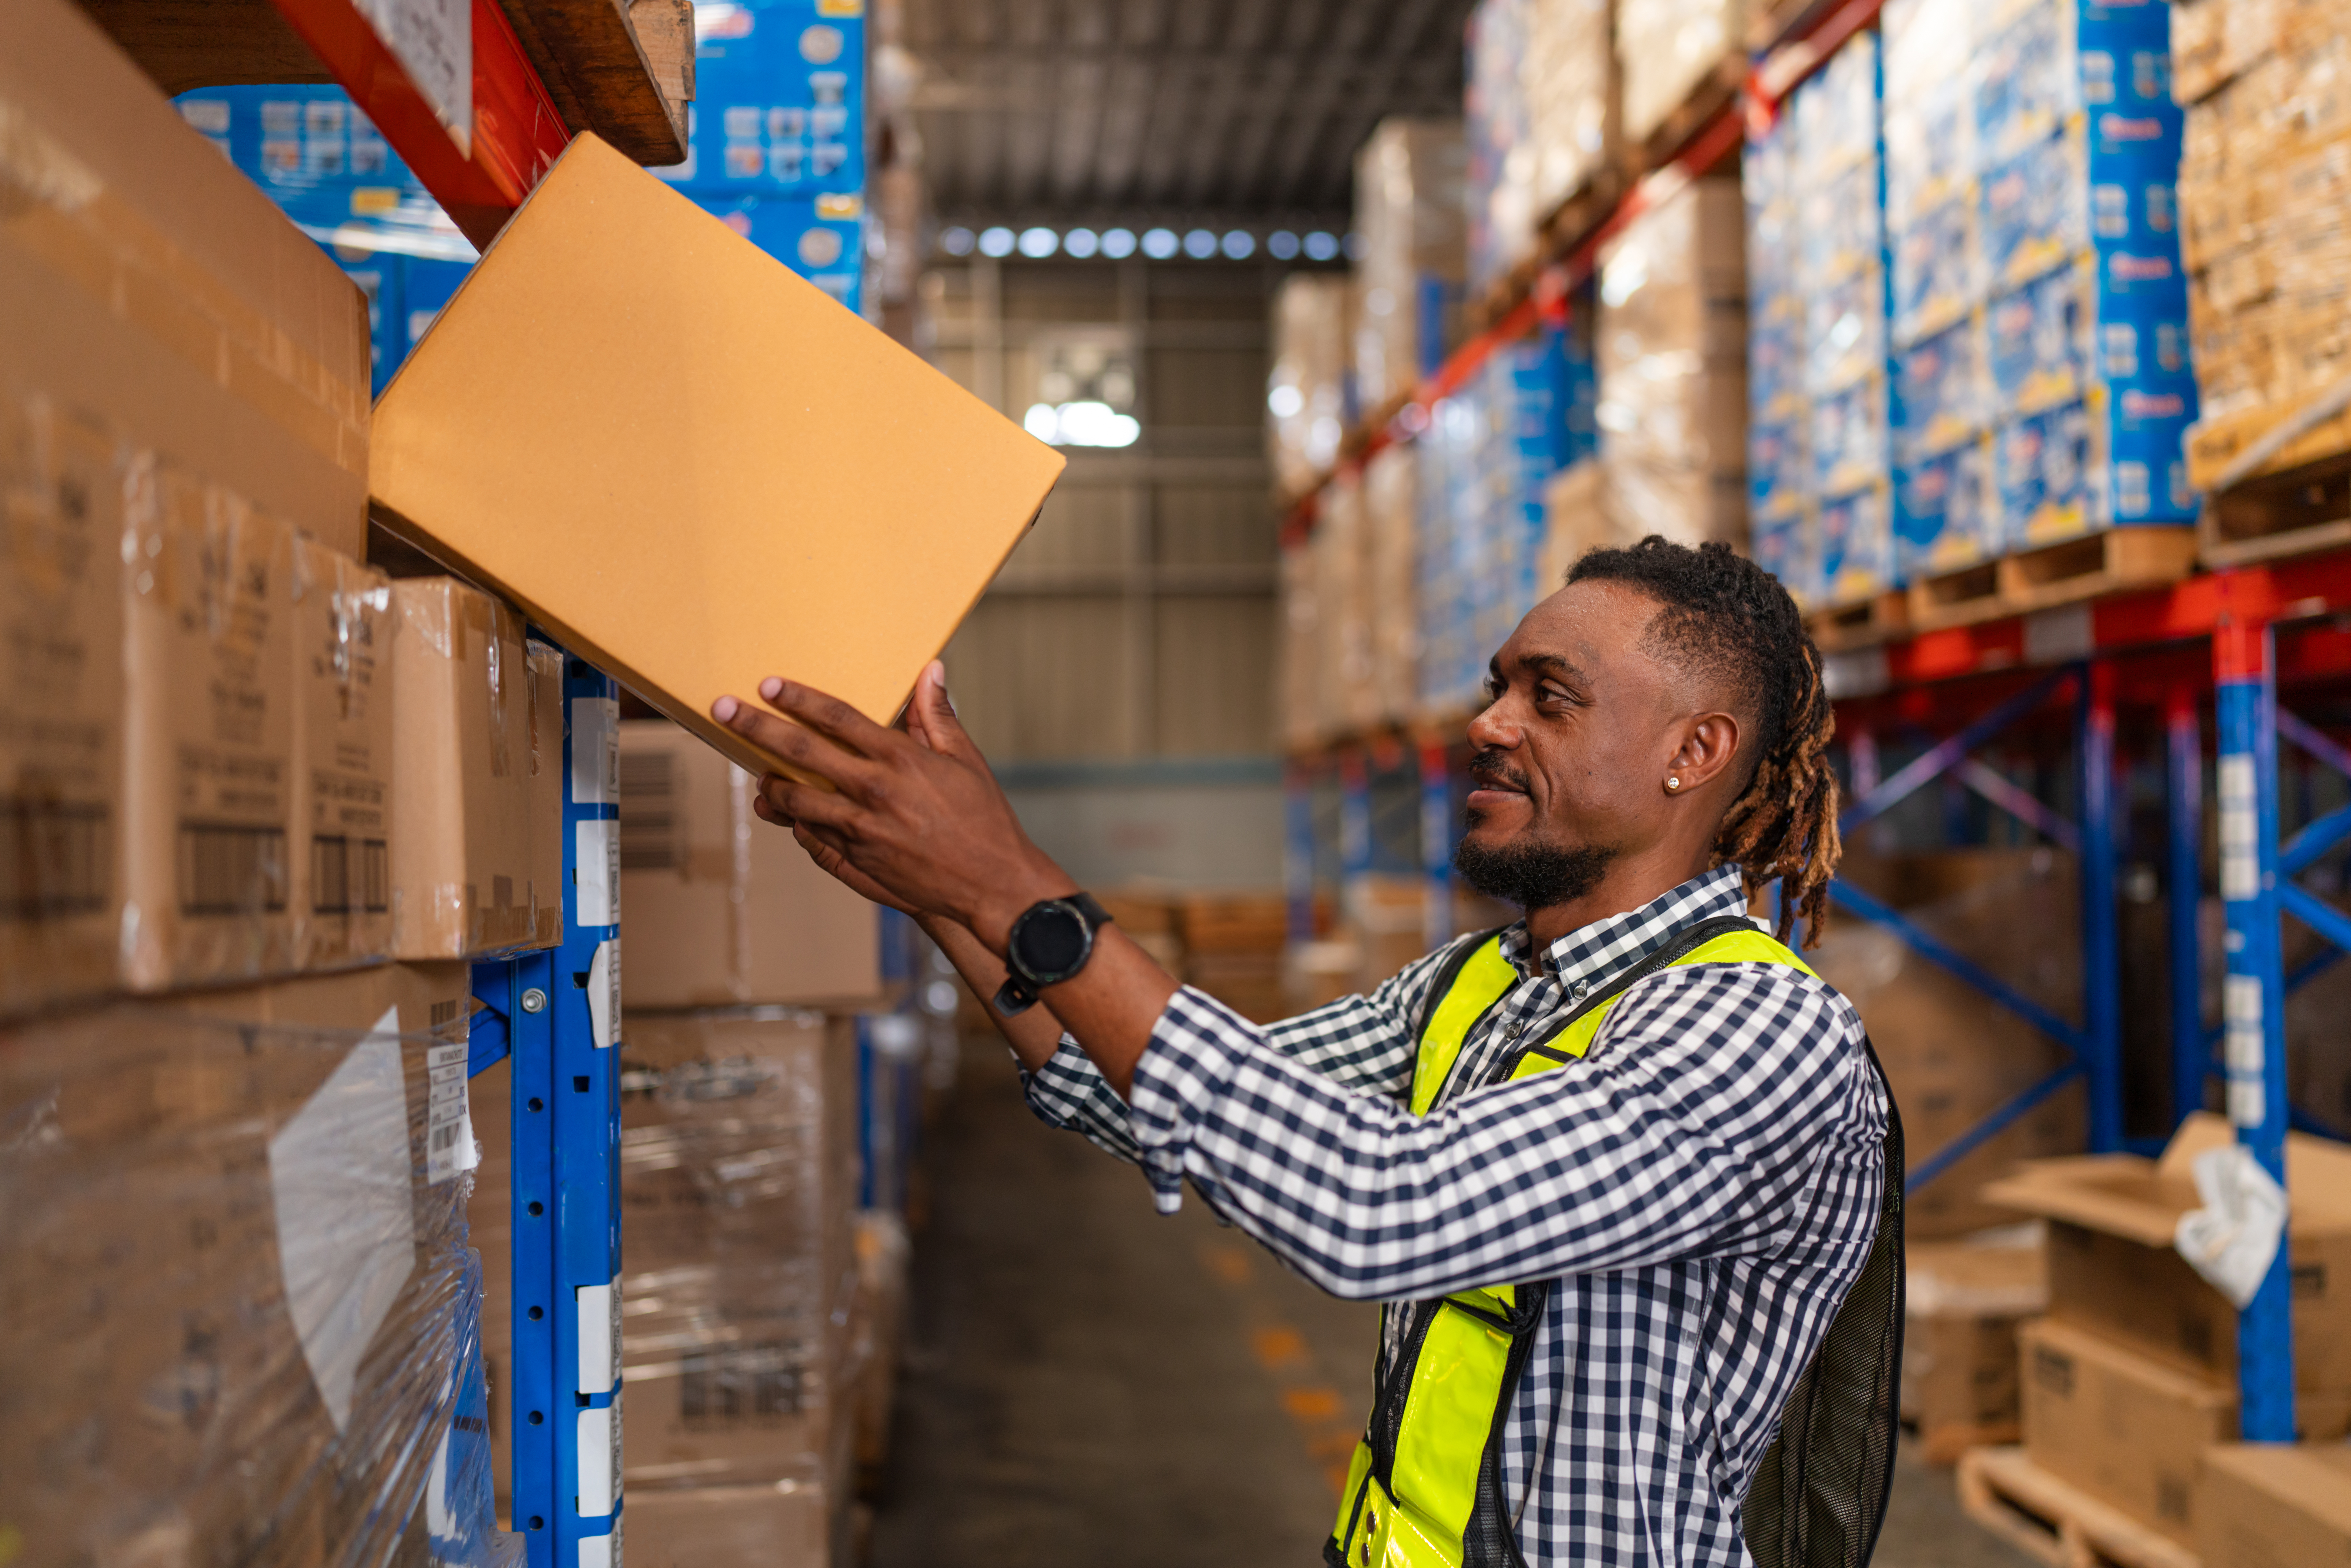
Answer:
(1942, 394)
(327, 167)
(2049, 60)
(1845, 332)
(426, 287)
(1779, 472)
(2113, 459)
(1930, 148)
(779, 99)
(1843, 224)
(378, 275)
(1784, 549)
(1945, 511)
(2034, 211)
(1850, 438)
(1935, 271)
(2051, 340)
(822, 239)
(1855, 544)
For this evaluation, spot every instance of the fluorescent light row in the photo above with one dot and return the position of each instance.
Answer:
(1158, 244)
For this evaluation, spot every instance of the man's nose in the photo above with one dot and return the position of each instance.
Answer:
(1490, 727)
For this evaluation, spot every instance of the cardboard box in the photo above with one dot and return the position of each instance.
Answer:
(738, 1177)
(548, 740)
(695, 486)
(152, 301)
(146, 283)
(1964, 1301)
(2126, 1430)
(232, 1280)
(342, 776)
(2113, 1269)
(61, 778)
(724, 908)
(2273, 1505)
(208, 732)
(468, 873)
(788, 1521)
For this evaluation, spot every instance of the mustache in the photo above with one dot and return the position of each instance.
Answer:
(1490, 768)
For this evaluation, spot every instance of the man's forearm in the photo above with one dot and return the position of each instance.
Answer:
(1035, 1035)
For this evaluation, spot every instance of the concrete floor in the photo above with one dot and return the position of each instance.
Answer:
(1087, 1383)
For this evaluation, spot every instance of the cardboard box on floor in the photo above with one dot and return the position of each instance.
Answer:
(2275, 1505)
(2113, 1269)
(476, 857)
(782, 1522)
(2129, 1431)
(156, 311)
(1964, 1300)
(694, 468)
(724, 908)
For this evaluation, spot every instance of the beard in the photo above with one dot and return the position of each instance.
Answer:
(1530, 873)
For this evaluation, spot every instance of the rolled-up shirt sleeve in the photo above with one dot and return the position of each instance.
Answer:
(1362, 1044)
(1691, 1129)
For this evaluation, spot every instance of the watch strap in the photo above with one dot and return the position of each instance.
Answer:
(1019, 992)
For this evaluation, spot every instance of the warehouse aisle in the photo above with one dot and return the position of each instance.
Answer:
(1088, 1383)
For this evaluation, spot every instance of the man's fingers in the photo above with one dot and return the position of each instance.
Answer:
(933, 716)
(794, 742)
(787, 800)
(826, 715)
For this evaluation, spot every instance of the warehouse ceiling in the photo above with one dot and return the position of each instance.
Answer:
(1146, 111)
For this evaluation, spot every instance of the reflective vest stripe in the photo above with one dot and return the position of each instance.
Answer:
(1463, 1369)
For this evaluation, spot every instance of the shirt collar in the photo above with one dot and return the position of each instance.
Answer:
(1594, 952)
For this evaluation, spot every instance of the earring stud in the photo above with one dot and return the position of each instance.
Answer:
(1674, 782)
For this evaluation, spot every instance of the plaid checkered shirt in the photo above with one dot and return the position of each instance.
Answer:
(1703, 1187)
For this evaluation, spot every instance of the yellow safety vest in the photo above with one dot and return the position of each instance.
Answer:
(1425, 1487)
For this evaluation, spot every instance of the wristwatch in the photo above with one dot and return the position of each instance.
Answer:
(1051, 942)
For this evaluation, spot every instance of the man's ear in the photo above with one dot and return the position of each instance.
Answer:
(1710, 741)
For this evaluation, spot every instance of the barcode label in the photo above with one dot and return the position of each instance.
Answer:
(651, 823)
(232, 869)
(448, 1118)
(349, 874)
(597, 867)
(595, 751)
(56, 858)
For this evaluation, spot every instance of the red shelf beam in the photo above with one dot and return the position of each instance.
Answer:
(516, 132)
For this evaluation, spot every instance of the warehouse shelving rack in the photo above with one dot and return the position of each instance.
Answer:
(555, 1013)
(2220, 643)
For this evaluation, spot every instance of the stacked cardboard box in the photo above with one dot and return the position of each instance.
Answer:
(1571, 94)
(1668, 49)
(1952, 1054)
(1308, 403)
(1502, 159)
(1233, 950)
(738, 1181)
(2039, 309)
(1819, 419)
(2266, 1504)
(1964, 1301)
(2263, 174)
(1672, 354)
(236, 1303)
(1410, 216)
(2132, 1378)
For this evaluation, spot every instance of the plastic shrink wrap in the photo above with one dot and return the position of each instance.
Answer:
(1665, 49)
(1672, 355)
(2039, 305)
(1411, 214)
(738, 1171)
(239, 1321)
(1571, 94)
(1308, 403)
(1503, 156)
(2264, 188)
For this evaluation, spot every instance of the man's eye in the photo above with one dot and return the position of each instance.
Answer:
(1494, 690)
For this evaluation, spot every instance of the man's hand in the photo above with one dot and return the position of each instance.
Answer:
(915, 820)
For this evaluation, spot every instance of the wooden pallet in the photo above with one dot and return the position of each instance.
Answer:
(1943, 1442)
(1879, 617)
(2054, 1522)
(2043, 579)
(2294, 512)
(1956, 598)
(1707, 98)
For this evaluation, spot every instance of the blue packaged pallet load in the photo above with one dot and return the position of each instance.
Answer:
(777, 132)
(779, 99)
(2037, 275)
(1782, 506)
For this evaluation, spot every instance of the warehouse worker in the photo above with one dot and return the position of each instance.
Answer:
(1612, 1222)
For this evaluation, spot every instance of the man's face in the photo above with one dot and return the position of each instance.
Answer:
(1572, 748)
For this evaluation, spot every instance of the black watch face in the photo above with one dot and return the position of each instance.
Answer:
(1053, 942)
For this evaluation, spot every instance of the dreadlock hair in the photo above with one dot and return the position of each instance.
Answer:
(1724, 618)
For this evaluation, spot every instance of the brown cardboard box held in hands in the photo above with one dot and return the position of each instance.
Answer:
(693, 467)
